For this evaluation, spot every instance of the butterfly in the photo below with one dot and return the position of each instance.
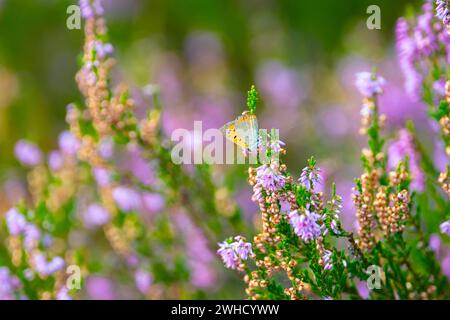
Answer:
(243, 132)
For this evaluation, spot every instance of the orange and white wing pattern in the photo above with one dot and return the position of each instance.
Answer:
(243, 131)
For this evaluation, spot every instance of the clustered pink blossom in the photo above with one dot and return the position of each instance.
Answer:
(327, 260)
(418, 42)
(28, 153)
(232, 252)
(368, 84)
(309, 177)
(404, 147)
(305, 224)
(269, 179)
(96, 215)
(443, 11)
(8, 284)
(445, 227)
(45, 267)
(143, 280)
(15, 222)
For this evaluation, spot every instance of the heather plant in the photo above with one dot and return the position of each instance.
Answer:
(303, 252)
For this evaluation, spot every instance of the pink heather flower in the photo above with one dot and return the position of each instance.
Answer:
(402, 147)
(63, 294)
(127, 199)
(327, 260)
(243, 249)
(102, 176)
(269, 179)
(152, 202)
(407, 53)
(443, 11)
(106, 149)
(276, 145)
(45, 267)
(103, 49)
(309, 177)
(200, 257)
(439, 87)
(435, 244)
(305, 225)
(86, 10)
(27, 153)
(15, 221)
(8, 284)
(445, 265)
(89, 9)
(232, 252)
(96, 215)
(68, 143)
(32, 236)
(368, 85)
(100, 288)
(55, 160)
(363, 290)
(445, 227)
(143, 281)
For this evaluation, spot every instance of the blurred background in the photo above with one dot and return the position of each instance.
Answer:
(301, 55)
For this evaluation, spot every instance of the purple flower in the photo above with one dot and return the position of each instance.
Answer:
(305, 225)
(96, 215)
(269, 179)
(276, 145)
(200, 257)
(103, 49)
(126, 199)
(55, 160)
(106, 149)
(397, 151)
(407, 51)
(363, 290)
(327, 260)
(369, 84)
(63, 294)
(102, 176)
(439, 87)
(8, 284)
(86, 10)
(443, 11)
(68, 143)
(100, 288)
(243, 249)
(309, 177)
(152, 202)
(228, 255)
(45, 267)
(232, 252)
(32, 236)
(28, 153)
(445, 227)
(435, 244)
(15, 221)
(143, 281)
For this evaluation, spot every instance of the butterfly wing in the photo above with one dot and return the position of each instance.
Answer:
(243, 131)
(230, 132)
(247, 127)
